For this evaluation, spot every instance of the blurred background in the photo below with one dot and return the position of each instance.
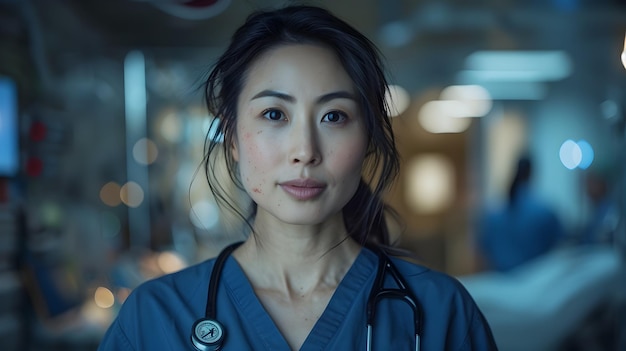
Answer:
(510, 119)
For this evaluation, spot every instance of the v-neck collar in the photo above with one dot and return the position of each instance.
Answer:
(329, 323)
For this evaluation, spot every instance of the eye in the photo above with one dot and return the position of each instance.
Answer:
(335, 117)
(274, 115)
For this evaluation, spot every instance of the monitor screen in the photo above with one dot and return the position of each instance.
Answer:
(9, 154)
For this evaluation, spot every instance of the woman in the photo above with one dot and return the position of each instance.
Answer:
(300, 100)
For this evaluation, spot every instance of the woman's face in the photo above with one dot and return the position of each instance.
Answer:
(300, 139)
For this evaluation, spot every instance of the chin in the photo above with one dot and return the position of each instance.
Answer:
(307, 217)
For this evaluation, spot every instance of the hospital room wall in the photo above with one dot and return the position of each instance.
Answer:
(586, 106)
(556, 121)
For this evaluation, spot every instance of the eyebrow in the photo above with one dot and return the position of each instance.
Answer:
(322, 99)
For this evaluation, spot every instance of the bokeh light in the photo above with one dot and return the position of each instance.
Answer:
(441, 116)
(132, 194)
(204, 214)
(430, 183)
(171, 126)
(398, 100)
(587, 154)
(210, 129)
(475, 99)
(170, 262)
(103, 297)
(145, 151)
(110, 194)
(570, 154)
(51, 214)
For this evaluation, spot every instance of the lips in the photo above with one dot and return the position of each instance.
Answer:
(303, 189)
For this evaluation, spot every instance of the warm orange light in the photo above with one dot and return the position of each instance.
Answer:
(104, 297)
(170, 262)
(110, 194)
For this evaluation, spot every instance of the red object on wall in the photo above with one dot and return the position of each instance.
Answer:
(38, 131)
(34, 167)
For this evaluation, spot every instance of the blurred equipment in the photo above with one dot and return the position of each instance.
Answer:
(543, 303)
(13, 320)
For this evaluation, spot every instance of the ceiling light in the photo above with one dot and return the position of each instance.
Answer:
(475, 98)
(441, 116)
(517, 66)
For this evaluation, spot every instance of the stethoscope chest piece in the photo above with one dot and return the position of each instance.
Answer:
(207, 335)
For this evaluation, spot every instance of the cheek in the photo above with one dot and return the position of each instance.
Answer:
(348, 158)
(255, 150)
(256, 159)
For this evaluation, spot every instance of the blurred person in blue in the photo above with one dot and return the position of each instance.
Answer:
(526, 228)
(300, 97)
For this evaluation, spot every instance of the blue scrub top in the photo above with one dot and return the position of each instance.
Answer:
(159, 314)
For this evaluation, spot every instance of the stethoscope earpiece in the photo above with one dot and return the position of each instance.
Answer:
(207, 335)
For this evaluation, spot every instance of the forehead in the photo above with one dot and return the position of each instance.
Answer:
(297, 66)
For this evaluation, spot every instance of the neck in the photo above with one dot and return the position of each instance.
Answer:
(296, 259)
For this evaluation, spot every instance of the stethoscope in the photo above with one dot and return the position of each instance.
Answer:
(208, 334)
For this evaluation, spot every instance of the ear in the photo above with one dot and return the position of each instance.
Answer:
(234, 149)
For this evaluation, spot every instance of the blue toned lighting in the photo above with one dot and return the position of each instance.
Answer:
(587, 154)
(570, 154)
(8, 128)
(204, 215)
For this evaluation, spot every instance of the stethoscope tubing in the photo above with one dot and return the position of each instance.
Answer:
(211, 299)
(368, 344)
(377, 293)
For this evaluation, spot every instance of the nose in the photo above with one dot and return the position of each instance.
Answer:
(304, 144)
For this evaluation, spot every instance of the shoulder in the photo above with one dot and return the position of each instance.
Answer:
(155, 294)
(164, 303)
(419, 277)
(186, 279)
(429, 281)
(446, 305)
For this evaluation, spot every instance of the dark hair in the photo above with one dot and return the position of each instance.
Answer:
(262, 31)
(521, 178)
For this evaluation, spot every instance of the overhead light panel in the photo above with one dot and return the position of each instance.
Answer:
(525, 66)
(476, 99)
